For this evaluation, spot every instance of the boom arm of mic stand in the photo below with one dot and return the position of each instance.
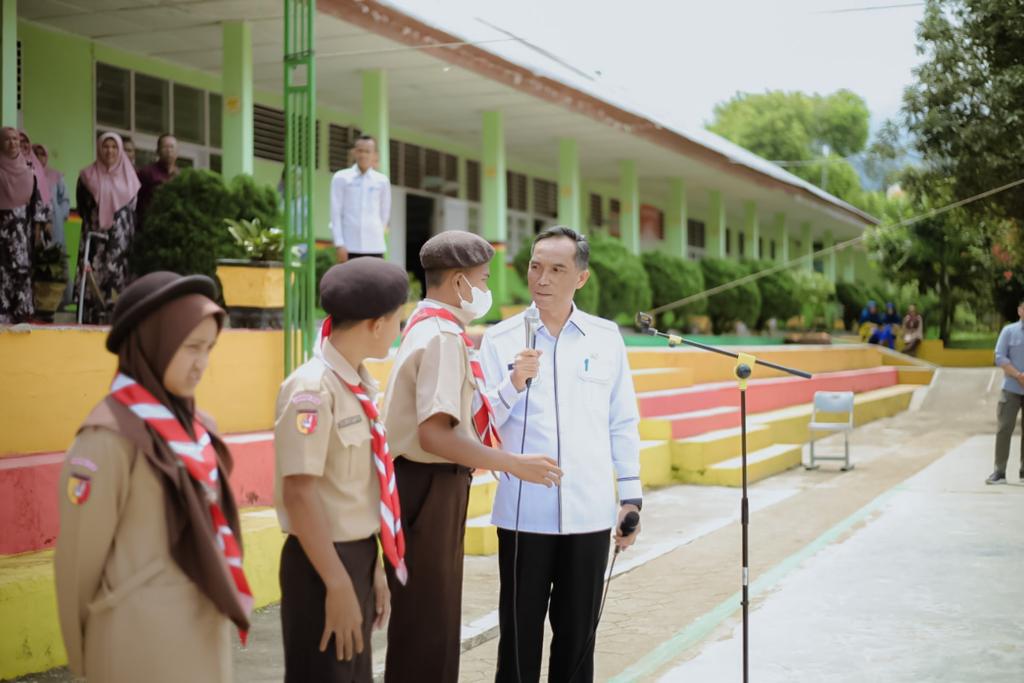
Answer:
(644, 321)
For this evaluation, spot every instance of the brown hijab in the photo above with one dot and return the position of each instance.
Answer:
(144, 355)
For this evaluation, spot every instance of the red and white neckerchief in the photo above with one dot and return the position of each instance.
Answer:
(392, 536)
(200, 460)
(483, 413)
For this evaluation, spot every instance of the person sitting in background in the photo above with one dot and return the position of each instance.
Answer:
(913, 329)
(869, 320)
(885, 332)
(107, 192)
(23, 217)
(156, 174)
(129, 149)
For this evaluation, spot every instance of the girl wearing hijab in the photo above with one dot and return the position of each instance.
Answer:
(60, 202)
(106, 193)
(24, 215)
(148, 562)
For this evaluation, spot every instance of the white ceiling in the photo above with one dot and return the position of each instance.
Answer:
(426, 94)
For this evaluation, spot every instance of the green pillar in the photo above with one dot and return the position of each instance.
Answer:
(751, 231)
(9, 62)
(675, 228)
(237, 117)
(494, 200)
(629, 199)
(375, 115)
(569, 187)
(830, 257)
(715, 227)
(781, 238)
(806, 246)
(848, 257)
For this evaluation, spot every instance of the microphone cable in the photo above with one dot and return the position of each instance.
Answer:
(626, 524)
(515, 544)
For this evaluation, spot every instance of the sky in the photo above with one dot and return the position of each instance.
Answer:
(675, 59)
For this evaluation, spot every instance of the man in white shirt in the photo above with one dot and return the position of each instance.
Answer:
(580, 406)
(360, 205)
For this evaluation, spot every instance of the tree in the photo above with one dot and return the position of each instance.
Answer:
(966, 109)
(950, 254)
(796, 127)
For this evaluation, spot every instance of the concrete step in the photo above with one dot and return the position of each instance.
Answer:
(761, 463)
(700, 452)
(656, 463)
(690, 423)
(658, 379)
(481, 536)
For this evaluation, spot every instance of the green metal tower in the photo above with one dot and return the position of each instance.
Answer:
(300, 159)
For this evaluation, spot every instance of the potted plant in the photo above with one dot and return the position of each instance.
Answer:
(49, 278)
(253, 287)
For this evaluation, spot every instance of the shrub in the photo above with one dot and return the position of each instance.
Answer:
(673, 278)
(817, 295)
(624, 286)
(259, 242)
(185, 230)
(727, 307)
(779, 295)
(325, 258)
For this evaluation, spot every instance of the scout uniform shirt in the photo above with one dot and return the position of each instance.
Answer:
(127, 611)
(322, 430)
(430, 376)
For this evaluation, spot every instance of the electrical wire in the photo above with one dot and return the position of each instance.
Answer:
(839, 246)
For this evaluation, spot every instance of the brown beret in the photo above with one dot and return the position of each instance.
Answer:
(455, 249)
(363, 288)
(150, 292)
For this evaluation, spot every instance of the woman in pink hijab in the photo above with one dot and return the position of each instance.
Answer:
(106, 193)
(24, 216)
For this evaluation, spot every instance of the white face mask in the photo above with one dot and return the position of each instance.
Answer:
(479, 305)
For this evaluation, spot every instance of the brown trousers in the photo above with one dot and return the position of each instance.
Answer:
(302, 614)
(424, 635)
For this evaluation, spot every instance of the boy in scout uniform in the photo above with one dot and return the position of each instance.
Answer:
(334, 484)
(441, 426)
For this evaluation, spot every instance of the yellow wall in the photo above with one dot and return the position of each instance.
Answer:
(52, 377)
(933, 351)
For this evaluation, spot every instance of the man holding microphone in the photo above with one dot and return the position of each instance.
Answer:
(571, 396)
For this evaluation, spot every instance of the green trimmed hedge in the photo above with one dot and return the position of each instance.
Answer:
(625, 288)
(673, 278)
(739, 303)
(184, 228)
(780, 296)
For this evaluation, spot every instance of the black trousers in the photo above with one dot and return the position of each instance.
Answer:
(352, 256)
(560, 577)
(424, 634)
(302, 614)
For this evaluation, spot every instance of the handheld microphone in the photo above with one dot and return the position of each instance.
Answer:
(629, 523)
(531, 321)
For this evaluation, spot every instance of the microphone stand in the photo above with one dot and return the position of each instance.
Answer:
(741, 371)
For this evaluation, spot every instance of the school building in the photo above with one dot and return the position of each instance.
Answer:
(470, 138)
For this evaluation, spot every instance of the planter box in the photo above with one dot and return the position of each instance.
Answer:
(253, 292)
(47, 295)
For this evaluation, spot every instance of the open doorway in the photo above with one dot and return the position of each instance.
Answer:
(419, 227)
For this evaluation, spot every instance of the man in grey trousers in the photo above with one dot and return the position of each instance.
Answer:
(1009, 357)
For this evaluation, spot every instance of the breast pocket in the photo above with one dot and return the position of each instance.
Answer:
(352, 461)
(595, 374)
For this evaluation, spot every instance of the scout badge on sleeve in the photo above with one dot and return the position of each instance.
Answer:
(79, 486)
(305, 421)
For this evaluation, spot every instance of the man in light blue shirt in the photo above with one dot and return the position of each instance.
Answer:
(581, 407)
(1009, 357)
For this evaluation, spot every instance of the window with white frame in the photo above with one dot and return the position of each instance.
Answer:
(143, 107)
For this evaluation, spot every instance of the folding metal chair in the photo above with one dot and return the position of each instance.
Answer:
(832, 403)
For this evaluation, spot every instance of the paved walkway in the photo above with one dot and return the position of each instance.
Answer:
(852, 571)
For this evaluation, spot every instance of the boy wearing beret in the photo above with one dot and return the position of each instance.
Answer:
(334, 483)
(442, 428)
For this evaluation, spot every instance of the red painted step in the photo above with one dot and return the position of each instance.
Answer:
(763, 394)
(28, 490)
